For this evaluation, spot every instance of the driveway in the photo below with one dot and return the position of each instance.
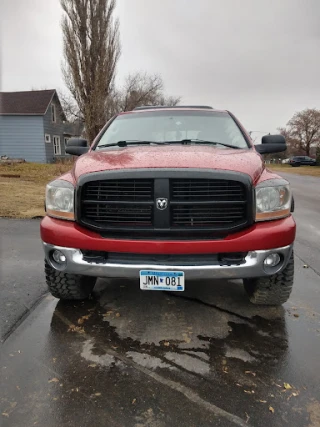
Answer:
(131, 358)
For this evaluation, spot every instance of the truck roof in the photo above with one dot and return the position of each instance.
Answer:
(173, 108)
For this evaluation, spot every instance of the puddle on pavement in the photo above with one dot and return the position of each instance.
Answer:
(215, 340)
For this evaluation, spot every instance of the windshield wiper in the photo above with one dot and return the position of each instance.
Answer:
(127, 142)
(202, 141)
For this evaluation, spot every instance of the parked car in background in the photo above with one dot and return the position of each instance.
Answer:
(302, 160)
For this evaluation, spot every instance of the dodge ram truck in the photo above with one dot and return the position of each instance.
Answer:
(166, 196)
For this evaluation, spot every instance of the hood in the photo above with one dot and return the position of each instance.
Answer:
(174, 156)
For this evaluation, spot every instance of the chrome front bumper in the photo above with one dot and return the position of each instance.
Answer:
(253, 266)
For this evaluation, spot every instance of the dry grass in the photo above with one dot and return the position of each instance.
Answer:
(22, 195)
(302, 170)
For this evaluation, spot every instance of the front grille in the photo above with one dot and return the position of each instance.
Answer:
(201, 207)
(130, 190)
(118, 203)
(207, 190)
(206, 215)
(118, 214)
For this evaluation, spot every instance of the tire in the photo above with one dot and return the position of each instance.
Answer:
(68, 286)
(272, 290)
(292, 205)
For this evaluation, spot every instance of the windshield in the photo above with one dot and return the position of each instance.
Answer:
(164, 126)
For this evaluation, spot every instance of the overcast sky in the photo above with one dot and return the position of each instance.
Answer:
(258, 58)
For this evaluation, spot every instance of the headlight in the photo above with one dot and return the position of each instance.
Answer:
(60, 199)
(273, 199)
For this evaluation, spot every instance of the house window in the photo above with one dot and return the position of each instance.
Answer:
(47, 138)
(56, 146)
(66, 139)
(53, 113)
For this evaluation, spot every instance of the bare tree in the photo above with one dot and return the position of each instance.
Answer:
(143, 89)
(91, 52)
(70, 107)
(303, 131)
(293, 145)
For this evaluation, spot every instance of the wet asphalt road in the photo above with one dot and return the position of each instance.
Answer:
(131, 358)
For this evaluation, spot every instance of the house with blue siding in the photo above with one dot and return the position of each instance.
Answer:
(34, 127)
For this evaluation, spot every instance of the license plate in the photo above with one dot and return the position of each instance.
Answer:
(161, 280)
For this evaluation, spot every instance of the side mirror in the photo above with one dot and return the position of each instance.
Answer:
(77, 146)
(271, 144)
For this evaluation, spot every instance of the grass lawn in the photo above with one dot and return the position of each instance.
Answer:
(302, 170)
(22, 188)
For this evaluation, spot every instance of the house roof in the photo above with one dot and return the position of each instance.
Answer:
(34, 102)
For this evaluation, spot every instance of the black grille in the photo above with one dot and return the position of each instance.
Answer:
(204, 203)
(208, 215)
(205, 208)
(118, 203)
(165, 259)
(207, 190)
(131, 190)
(118, 215)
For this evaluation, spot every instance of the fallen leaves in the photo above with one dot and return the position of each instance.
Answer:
(110, 313)
(8, 411)
(295, 394)
(186, 337)
(305, 266)
(296, 315)
(251, 373)
(83, 318)
(249, 391)
(287, 386)
(92, 365)
(53, 380)
(74, 328)
(271, 409)
(97, 394)
(166, 343)
(134, 401)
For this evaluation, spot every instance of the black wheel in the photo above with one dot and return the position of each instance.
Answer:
(68, 286)
(273, 290)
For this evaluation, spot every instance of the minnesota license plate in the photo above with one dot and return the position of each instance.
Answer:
(161, 280)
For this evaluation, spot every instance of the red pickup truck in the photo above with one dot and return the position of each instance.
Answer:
(167, 195)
